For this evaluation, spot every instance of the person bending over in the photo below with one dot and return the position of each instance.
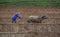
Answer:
(15, 16)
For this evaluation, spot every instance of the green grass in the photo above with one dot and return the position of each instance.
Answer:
(22, 3)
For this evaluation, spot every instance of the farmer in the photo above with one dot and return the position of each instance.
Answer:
(15, 16)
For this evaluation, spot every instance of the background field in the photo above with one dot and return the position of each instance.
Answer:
(48, 28)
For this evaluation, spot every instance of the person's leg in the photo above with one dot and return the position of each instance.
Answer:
(13, 20)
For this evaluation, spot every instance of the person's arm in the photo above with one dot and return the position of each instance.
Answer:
(19, 17)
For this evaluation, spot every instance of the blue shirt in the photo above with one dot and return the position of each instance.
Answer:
(15, 16)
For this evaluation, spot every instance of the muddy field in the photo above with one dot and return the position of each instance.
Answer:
(48, 28)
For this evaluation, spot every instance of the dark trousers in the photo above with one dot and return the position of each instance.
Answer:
(13, 20)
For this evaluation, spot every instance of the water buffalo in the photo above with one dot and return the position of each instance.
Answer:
(36, 19)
